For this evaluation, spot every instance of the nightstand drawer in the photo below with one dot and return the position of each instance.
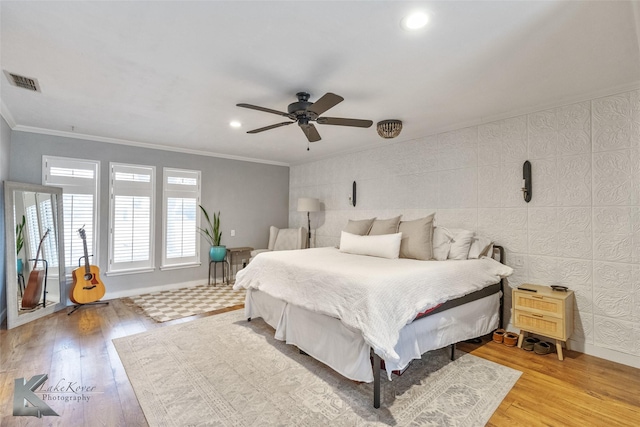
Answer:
(549, 326)
(539, 304)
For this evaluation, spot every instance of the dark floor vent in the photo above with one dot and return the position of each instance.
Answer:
(23, 82)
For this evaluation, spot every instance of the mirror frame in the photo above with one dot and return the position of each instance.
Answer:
(13, 317)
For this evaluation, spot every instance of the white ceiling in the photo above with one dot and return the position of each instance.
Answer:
(168, 74)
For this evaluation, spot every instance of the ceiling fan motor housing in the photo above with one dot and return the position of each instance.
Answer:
(300, 109)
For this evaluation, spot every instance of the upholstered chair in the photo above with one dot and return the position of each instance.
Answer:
(284, 239)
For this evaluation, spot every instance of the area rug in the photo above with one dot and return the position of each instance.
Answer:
(223, 370)
(178, 303)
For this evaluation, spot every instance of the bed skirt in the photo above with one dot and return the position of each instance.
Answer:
(344, 350)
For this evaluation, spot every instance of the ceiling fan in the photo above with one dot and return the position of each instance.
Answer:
(304, 112)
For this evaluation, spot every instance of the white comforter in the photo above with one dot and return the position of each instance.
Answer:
(375, 296)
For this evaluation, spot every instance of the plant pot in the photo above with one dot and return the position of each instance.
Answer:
(19, 266)
(217, 253)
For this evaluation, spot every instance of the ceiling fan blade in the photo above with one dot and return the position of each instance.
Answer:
(270, 127)
(328, 100)
(344, 122)
(266, 110)
(311, 132)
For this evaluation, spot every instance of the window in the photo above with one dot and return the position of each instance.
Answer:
(181, 196)
(131, 217)
(78, 179)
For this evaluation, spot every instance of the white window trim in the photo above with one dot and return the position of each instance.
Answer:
(46, 164)
(180, 266)
(167, 189)
(111, 271)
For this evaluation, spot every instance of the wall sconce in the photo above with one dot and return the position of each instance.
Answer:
(526, 176)
(352, 198)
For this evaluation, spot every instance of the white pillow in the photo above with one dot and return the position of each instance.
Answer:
(461, 244)
(441, 243)
(383, 245)
(479, 247)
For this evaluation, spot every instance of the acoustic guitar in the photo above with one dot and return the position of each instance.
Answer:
(87, 286)
(33, 291)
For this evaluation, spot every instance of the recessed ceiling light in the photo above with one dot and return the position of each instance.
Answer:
(235, 124)
(415, 21)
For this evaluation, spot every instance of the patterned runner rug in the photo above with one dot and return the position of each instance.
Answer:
(178, 303)
(223, 370)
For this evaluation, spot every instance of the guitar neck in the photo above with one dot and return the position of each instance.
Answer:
(87, 268)
(35, 264)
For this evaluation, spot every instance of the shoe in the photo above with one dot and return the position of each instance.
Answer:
(542, 347)
(529, 342)
(510, 339)
(498, 335)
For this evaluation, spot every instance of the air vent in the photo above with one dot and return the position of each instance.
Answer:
(23, 82)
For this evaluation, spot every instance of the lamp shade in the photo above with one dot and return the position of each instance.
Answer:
(308, 204)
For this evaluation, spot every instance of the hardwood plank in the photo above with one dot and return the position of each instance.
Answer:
(581, 390)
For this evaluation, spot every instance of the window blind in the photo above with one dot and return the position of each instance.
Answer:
(33, 230)
(181, 194)
(79, 179)
(49, 246)
(131, 217)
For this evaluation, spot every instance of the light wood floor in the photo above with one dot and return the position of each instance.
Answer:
(580, 391)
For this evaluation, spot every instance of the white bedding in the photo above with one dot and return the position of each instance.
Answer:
(374, 296)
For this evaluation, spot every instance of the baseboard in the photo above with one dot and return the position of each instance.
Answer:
(141, 291)
(597, 351)
(605, 353)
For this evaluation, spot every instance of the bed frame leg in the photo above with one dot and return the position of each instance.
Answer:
(453, 351)
(376, 381)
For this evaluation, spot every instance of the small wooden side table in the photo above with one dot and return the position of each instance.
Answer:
(233, 253)
(544, 312)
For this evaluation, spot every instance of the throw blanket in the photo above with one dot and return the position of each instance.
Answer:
(375, 296)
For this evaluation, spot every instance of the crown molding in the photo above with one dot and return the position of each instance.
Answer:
(108, 140)
(6, 114)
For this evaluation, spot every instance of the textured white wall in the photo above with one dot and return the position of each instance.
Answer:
(581, 228)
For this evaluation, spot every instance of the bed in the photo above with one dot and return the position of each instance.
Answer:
(345, 309)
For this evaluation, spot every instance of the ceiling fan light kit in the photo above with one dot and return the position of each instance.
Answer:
(304, 112)
(389, 128)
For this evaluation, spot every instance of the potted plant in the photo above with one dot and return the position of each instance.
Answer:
(212, 233)
(20, 243)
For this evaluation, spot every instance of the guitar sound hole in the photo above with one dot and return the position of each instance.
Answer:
(88, 277)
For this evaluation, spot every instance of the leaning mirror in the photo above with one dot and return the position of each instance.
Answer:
(36, 284)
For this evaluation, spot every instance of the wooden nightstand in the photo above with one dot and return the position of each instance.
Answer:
(544, 312)
(233, 254)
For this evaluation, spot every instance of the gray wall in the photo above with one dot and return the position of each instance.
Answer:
(5, 144)
(250, 196)
(581, 229)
